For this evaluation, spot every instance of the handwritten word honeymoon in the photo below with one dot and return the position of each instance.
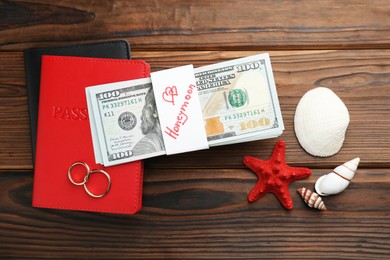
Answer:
(182, 116)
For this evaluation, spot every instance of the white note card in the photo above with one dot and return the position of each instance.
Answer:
(179, 110)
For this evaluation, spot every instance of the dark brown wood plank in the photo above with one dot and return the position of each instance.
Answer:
(14, 118)
(199, 24)
(203, 213)
(360, 78)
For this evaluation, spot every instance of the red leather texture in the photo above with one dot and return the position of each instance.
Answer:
(64, 137)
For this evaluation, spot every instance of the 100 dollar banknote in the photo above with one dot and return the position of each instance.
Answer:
(124, 122)
(239, 100)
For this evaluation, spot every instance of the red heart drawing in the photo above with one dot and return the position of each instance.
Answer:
(169, 94)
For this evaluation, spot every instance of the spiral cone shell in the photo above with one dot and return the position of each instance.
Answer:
(337, 180)
(312, 199)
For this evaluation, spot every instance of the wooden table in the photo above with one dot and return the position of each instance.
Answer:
(195, 204)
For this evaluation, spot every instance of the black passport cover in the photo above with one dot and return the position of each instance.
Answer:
(118, 49)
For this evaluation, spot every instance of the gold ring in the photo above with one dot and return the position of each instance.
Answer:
(108, 186)
(86, 176)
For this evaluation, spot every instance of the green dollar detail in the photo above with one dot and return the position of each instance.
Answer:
(237, 98)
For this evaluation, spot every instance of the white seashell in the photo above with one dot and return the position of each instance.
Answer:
(338, 180)
(320, 122)
(312, 199)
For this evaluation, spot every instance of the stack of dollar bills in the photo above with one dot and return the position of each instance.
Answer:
(238, 99)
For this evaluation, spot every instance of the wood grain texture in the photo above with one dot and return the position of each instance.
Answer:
(361, 78)
(199, 24)
(23, 14)
(195, 204)
(203, 214)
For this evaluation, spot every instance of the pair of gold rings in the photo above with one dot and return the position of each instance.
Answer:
(86, 179)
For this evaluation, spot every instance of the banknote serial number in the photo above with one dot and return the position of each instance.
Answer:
(245, 114)
(122, 103)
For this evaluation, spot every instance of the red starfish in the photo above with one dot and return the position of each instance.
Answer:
(274, 175)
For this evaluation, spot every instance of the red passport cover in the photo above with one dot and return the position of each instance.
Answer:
(64, 137)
